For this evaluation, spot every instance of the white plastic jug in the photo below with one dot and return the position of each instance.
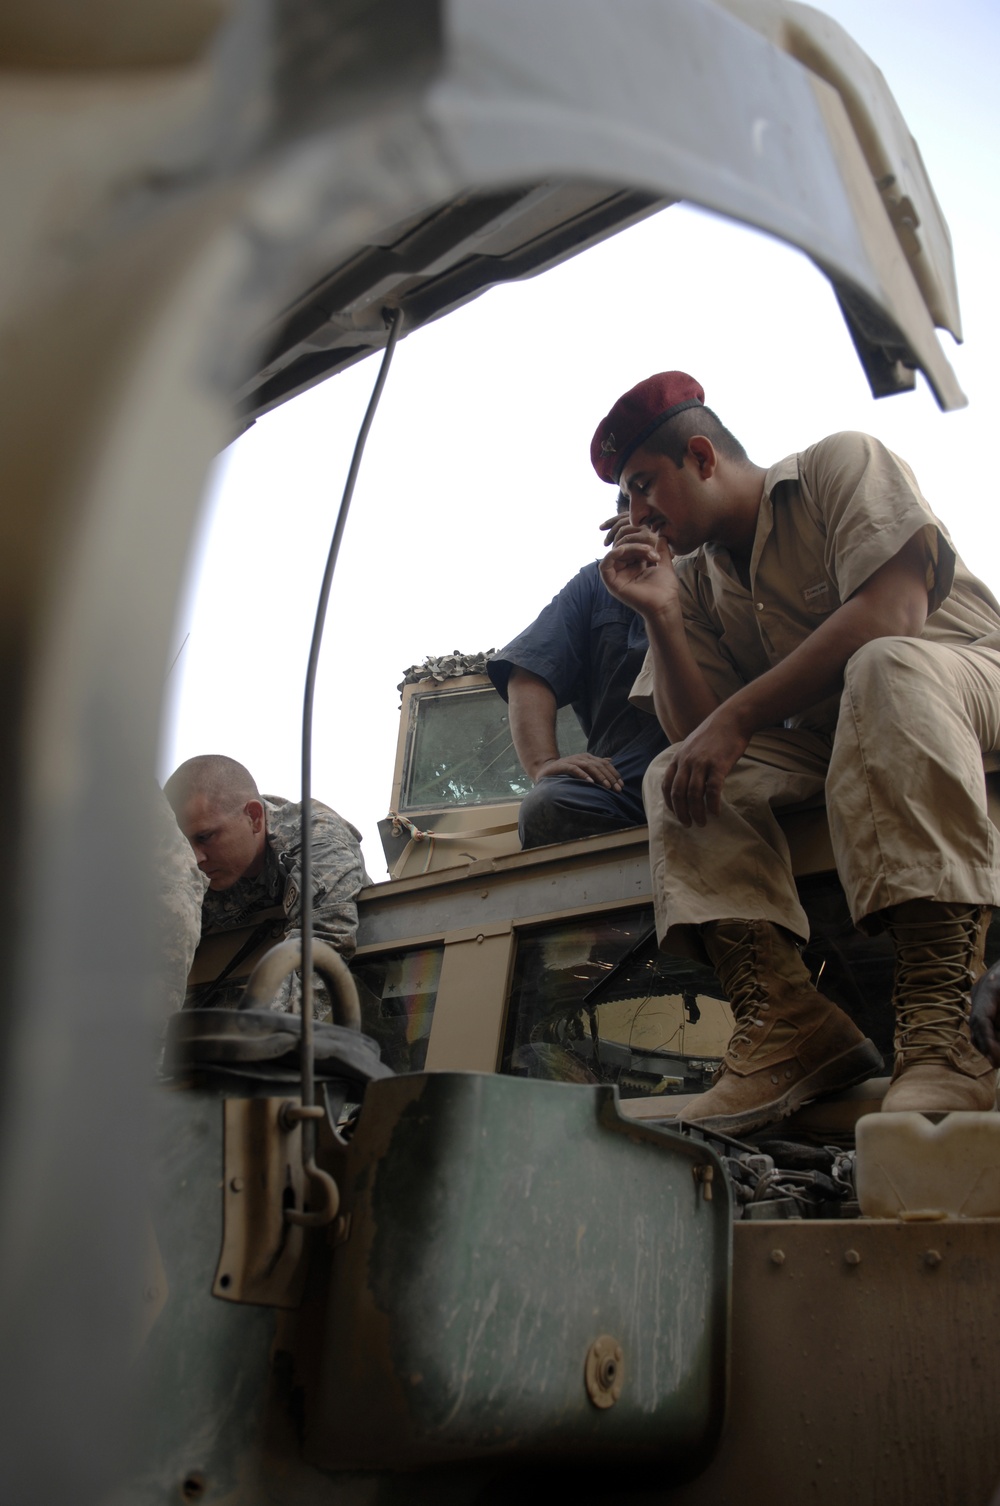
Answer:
(908, 1167)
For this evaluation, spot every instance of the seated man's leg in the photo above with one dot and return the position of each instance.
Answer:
(561, 809)
(917, 852)
(737, 864)
(726, 891)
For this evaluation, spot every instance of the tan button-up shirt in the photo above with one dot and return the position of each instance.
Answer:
(829, 518)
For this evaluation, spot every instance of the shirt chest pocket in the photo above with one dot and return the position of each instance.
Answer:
(611, 613)
(819, 597)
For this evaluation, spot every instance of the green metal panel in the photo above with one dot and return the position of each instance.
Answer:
(200, 1380)
(498, 1227)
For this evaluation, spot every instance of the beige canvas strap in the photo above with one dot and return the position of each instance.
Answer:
(401, 823)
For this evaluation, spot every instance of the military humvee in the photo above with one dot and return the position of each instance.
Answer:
(522, 1272)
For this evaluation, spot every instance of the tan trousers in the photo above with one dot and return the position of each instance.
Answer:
(905, 797)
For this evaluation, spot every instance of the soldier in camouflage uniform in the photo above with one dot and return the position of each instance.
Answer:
(249, 847)
(180, 889)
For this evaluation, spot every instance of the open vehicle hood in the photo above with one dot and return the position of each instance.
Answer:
(762, 110)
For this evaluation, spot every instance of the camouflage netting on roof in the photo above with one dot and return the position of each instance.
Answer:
(446, 667)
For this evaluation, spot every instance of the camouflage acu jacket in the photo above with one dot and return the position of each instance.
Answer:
(338, 874)
(181, 888)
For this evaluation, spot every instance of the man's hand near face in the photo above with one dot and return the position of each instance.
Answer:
(638, 569)
(611, 527)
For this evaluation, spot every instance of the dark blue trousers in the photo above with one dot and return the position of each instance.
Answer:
(561, 808)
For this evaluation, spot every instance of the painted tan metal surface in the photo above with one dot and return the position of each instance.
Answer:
(217, 950)
(548, 881)
(446, 836)
(891, 154)
(864, 1367)
(472, 995)
(263, 1256)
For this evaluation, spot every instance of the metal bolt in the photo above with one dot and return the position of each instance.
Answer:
(851, 1257)
(932, 1258)
(485, 894)
(290, 1114)
(777, 1257)
(604, 1371)
(705, 1174)
(480, 939)
(236, 1184)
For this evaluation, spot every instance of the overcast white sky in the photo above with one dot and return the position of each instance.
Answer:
(476, 500)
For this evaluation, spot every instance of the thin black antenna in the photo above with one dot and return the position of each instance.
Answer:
(394, 319)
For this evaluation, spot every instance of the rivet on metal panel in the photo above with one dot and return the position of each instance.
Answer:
(704, 1174)
(932, 1258)
(480, 939)
(236, 1184)
(604, 1371)
(851, 1257)
(485, 894)
(777, 1257)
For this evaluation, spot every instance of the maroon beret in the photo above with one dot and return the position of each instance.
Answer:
(637, 415)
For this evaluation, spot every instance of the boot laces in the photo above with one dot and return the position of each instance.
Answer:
(931, 988)
(747, 997)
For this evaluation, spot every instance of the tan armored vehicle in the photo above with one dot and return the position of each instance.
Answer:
(499, 1262)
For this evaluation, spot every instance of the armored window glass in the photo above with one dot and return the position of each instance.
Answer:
(595, 1001)
(398, 992)
(460, 752)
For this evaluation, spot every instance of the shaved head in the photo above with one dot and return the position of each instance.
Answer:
(221, 781)
(219, 809)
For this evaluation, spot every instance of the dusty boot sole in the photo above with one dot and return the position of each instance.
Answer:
(840, 1072)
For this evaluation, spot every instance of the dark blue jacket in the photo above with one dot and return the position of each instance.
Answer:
(588, 647)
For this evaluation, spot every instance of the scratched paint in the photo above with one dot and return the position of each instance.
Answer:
(508, 1224)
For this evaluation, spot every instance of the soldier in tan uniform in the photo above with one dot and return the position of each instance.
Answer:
(811, 629)
(248, 847)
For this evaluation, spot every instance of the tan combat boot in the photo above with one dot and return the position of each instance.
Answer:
(939, 955)
(790, 1043)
